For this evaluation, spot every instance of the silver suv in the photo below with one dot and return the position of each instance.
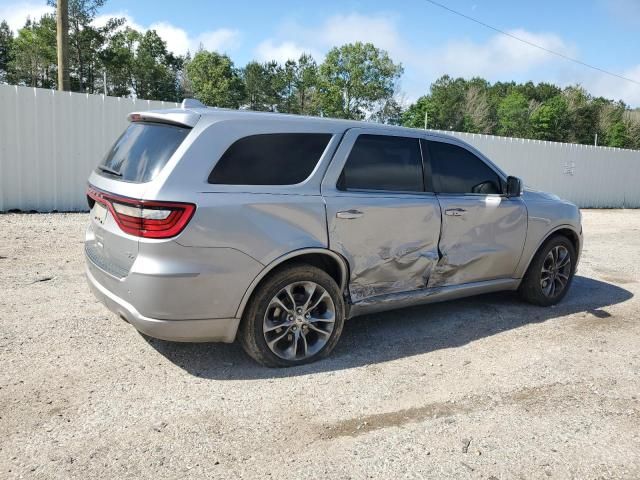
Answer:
(208, 224)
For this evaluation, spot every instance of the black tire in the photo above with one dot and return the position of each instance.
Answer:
(531, 289)
(251, 332)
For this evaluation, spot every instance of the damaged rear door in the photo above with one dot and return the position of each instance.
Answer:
(379, 216)
(483, 231)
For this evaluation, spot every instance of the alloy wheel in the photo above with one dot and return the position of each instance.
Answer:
(299, 321)
(556, 270)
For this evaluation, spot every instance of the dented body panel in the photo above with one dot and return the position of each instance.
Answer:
(392, 249)
(483, 241)
(390, 239)
(430, 295)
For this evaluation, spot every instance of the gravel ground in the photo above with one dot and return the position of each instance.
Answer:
(485, 387)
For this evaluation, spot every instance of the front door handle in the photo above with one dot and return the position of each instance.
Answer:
(455, 212)
(349, 214)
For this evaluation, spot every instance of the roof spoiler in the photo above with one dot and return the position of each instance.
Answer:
(171, 117)
(192, 103)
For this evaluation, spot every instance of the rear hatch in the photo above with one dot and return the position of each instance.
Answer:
(119, 215)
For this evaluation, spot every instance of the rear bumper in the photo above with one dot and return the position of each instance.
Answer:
(200, 330)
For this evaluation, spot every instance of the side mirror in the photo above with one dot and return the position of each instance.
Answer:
(514, 187)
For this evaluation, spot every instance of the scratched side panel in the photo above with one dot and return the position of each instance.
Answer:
(392, 247)
(483, 243)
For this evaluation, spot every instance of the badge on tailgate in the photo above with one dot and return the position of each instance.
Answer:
(99, 213)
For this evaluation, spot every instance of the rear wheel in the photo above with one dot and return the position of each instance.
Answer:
(551, 271)
(295, 317)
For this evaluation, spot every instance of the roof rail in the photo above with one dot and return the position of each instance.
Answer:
(192, 103)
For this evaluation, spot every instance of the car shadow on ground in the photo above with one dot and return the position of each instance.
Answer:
(372, 339)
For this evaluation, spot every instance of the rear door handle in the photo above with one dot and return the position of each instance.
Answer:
(455, 212)
(349, 214)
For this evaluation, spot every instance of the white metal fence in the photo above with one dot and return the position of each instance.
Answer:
(50, 141)
(589, 176)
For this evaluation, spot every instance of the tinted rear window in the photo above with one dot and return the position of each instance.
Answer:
(141, 151)
(270, 159)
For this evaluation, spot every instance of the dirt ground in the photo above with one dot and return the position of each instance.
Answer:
(486, 387)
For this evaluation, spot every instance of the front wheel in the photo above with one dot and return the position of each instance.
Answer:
(295, 317)
(551, 271)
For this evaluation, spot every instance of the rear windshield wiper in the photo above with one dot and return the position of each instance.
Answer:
(102, 168)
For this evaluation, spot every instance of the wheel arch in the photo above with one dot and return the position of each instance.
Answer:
(567, 230)
(327, 260)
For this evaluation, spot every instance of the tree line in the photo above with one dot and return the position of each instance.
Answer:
(354, 81)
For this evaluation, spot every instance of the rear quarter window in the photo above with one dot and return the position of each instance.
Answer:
(270, 159)
(142, 151)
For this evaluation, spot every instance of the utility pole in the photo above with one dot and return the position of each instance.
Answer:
(62, 29)
(104, 77)
(426, 119)
(595, 142)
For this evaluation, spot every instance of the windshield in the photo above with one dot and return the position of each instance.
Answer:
(142, 151)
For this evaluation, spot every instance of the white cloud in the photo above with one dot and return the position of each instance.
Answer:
(498, 56)
(379, 30)
(503, 58)
(17, 13)
(178, 39)
(220, 40)
(600, 84)
(283, 51)
(102, 19)
(294, 38)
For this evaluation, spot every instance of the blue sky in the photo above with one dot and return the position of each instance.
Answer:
(427, 40)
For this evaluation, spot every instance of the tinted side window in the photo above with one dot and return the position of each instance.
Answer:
(380, 162)
(456, 170)
(270, 159)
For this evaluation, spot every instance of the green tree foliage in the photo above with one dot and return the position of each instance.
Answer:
(448, 96)
(356, 80)
(513, 115)
(288, 88)
(420, 114)
(264, 85)
(140, 65)
(540, 111)
(6, 50)
(582, 124)
(87, 44)
(614, 131)
(550, 119)
(305, 83)
(477, 115)
(389, 112)
(155, 69)
(33, 56)
(631, 119)
(119, 62)
(215, 80)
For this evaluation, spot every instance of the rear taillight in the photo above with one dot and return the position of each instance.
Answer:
(145, 218)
